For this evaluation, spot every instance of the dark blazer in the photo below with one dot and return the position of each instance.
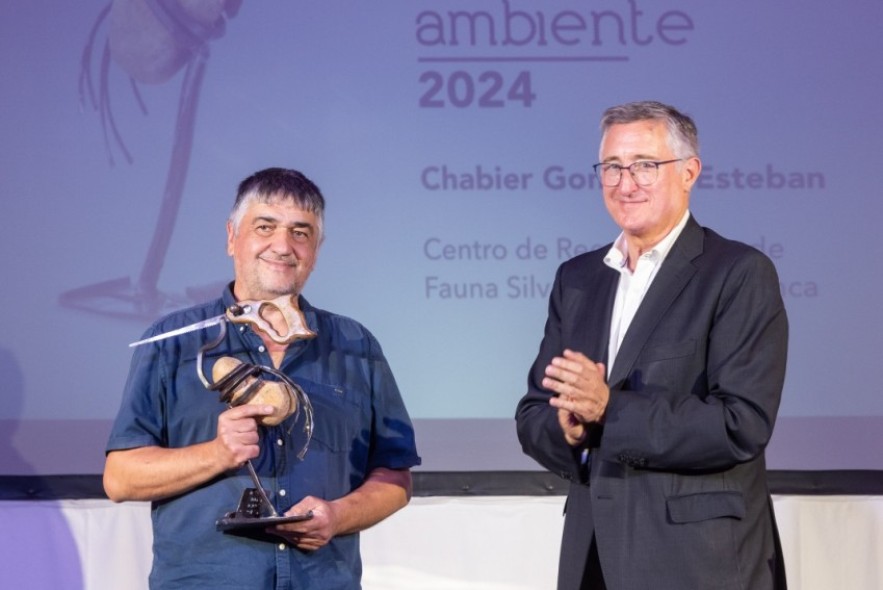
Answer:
(674, 489)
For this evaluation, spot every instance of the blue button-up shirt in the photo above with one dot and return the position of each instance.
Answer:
(360, 424)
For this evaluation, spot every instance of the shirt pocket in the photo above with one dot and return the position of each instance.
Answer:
(337, 415)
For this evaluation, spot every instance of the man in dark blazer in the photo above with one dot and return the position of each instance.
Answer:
(658, 380)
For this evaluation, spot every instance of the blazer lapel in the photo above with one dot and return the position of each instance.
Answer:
(673, 276)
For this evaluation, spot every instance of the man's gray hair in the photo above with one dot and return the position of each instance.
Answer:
(683, 137)
(272, 185)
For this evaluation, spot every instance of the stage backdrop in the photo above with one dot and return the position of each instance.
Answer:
(454, 142)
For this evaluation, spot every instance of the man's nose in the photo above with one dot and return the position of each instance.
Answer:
(627, 184)
(282, 241)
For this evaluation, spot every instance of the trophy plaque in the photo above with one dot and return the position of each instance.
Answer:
(252, 512)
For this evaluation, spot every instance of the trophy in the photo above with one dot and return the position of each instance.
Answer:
(239, 383)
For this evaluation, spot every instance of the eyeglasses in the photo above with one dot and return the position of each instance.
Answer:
(644, 172)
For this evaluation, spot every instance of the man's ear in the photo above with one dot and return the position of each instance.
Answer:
(690, 172)
(230, 235)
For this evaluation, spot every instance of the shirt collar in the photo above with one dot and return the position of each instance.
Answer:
(617, 256)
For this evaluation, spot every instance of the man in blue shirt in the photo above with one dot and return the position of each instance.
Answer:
(175, 444)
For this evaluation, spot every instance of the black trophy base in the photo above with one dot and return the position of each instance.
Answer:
(252, 514)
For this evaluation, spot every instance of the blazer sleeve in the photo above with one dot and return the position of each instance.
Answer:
(537, 424)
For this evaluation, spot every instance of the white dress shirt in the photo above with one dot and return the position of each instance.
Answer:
(633, 285)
